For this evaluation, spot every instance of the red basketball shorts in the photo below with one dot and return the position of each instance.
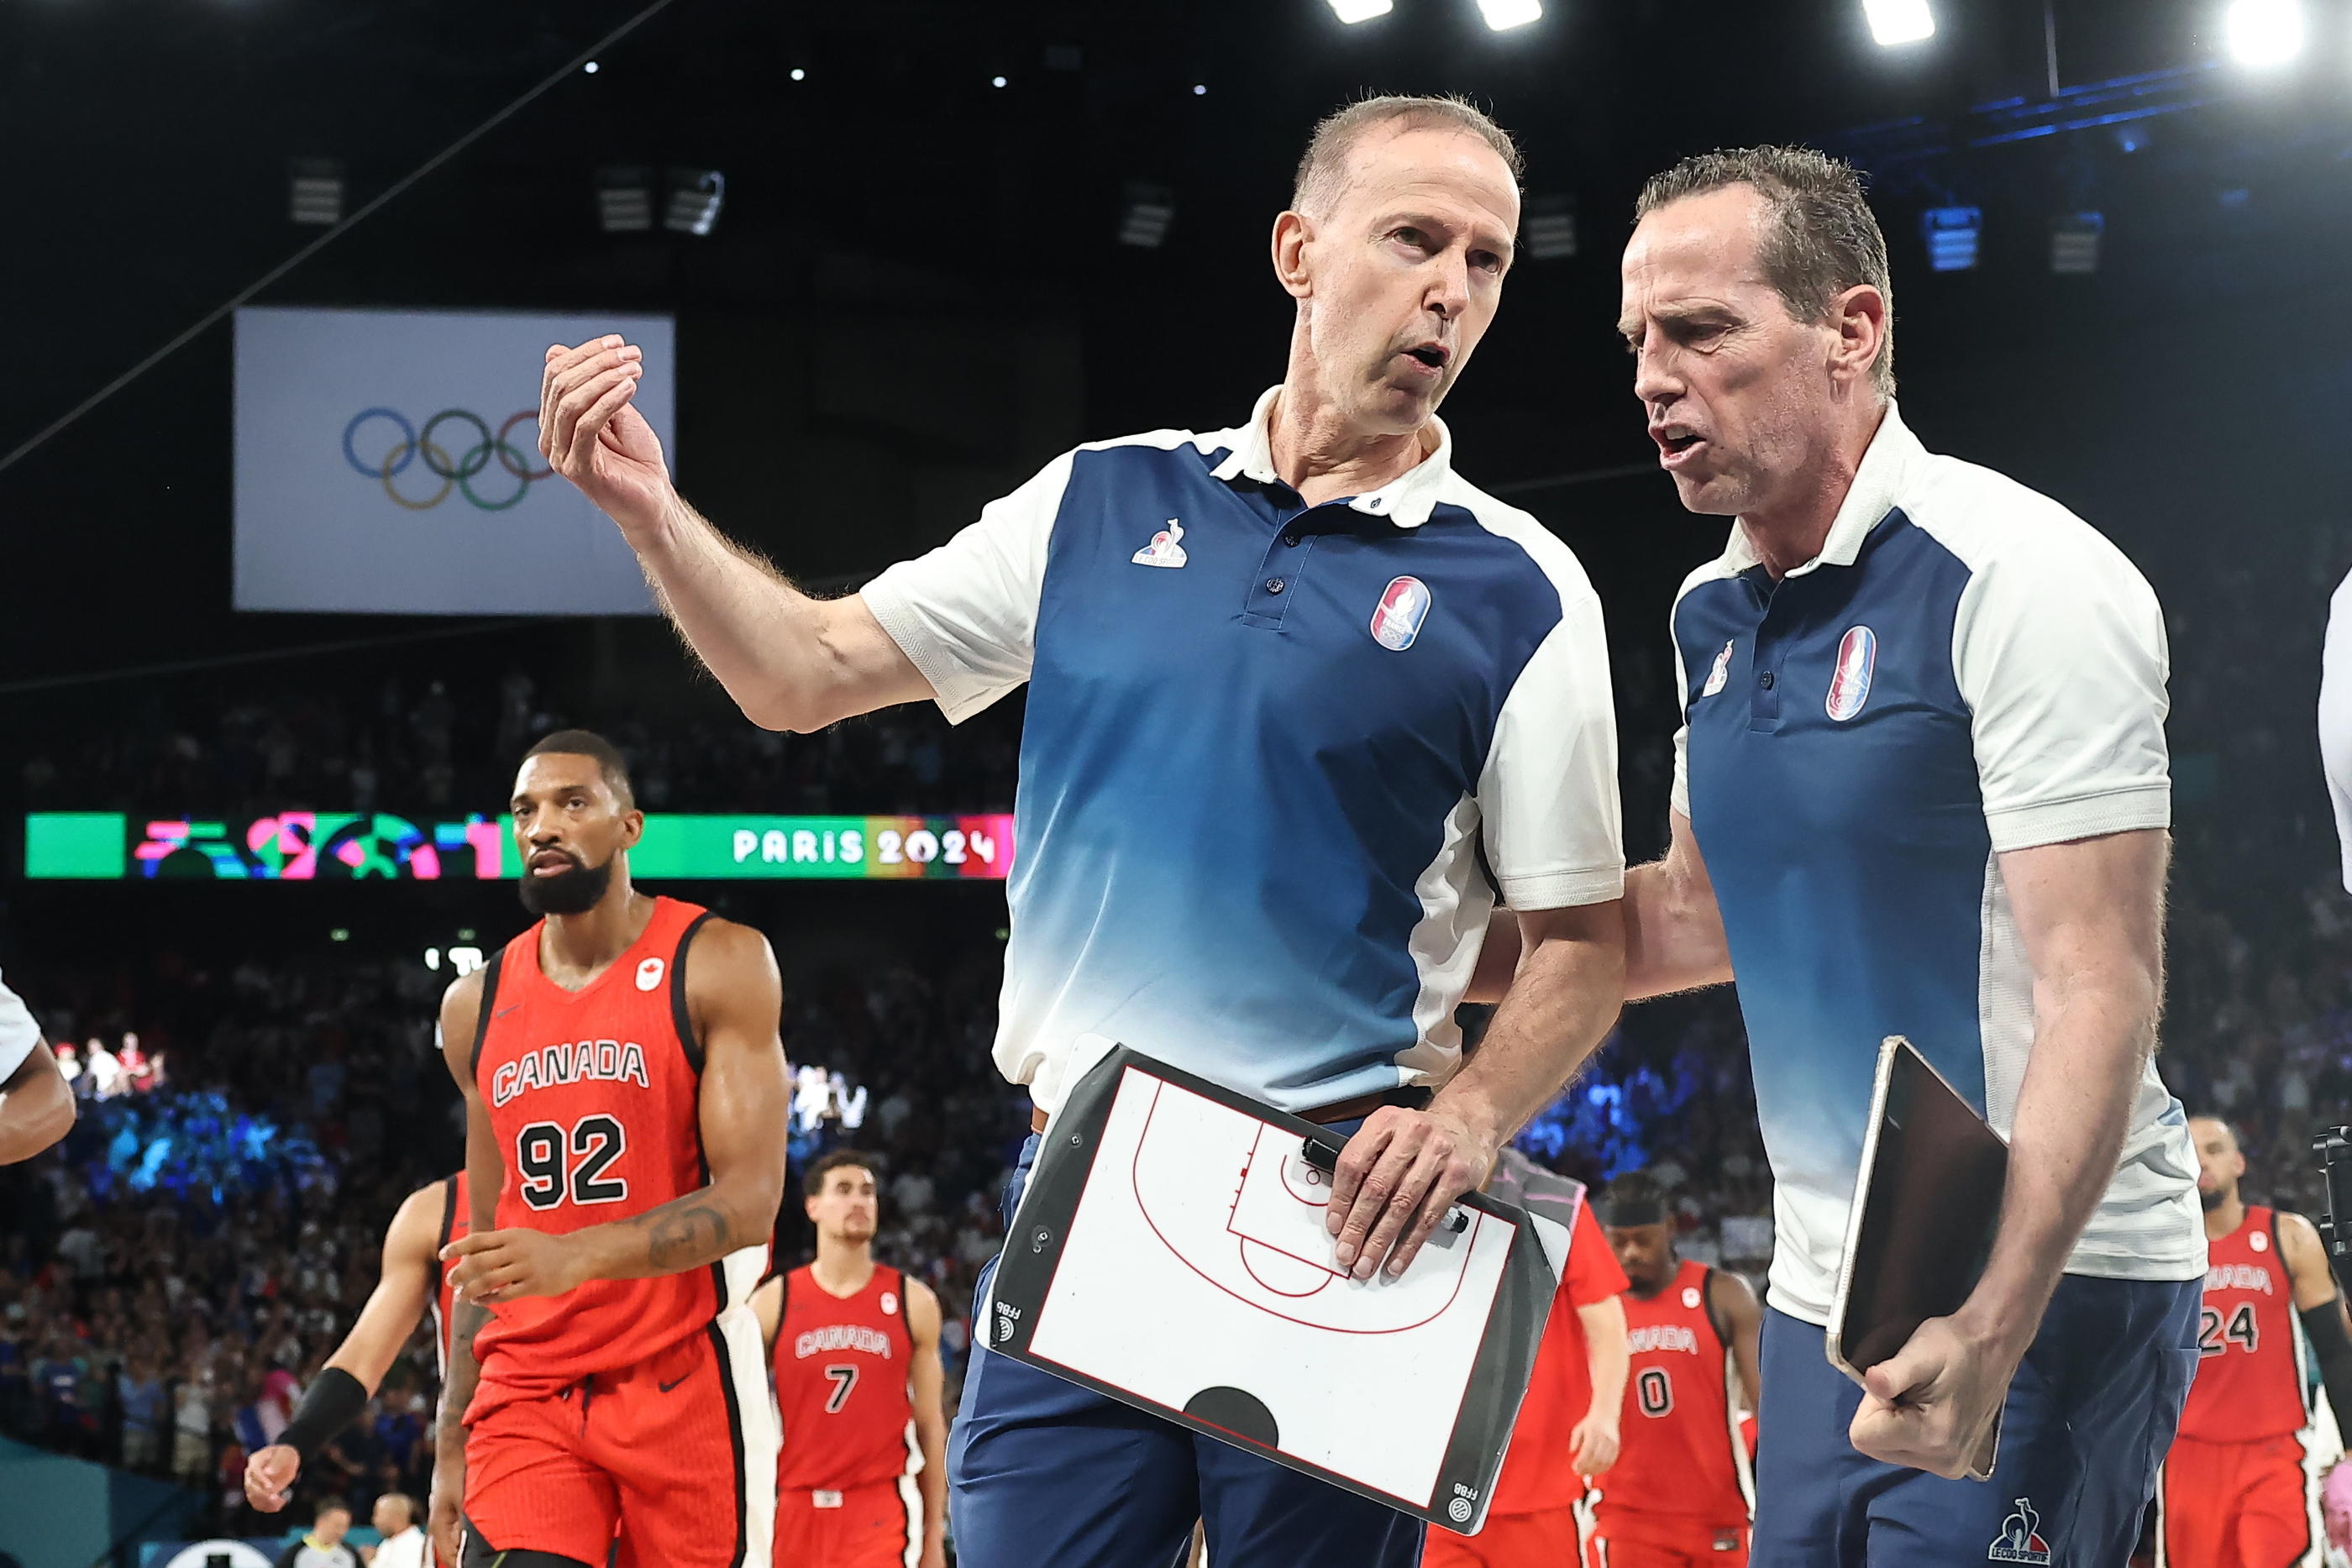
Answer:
(1622, 1539)
(1541, 1539)
(2236, 1505)
(877, 1526)
(674, 1457)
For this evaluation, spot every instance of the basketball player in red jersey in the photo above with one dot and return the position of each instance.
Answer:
(1568, 1425)
(1681, 1493)
(624, 1108)
(2233, 1492)
(856, 1349)
(411, 1279)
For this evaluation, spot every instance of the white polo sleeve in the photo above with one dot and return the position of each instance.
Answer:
(18, 1033)
(1549, 794)
(2335, 717)
(1679, 796)
(966, 614)
(2060, 652)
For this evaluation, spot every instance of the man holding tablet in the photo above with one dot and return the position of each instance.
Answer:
(1921, 790)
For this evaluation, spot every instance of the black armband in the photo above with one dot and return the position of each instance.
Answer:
(2322, 1325)
(332, 1402)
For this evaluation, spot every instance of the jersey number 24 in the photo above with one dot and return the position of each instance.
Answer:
(2213, 1338)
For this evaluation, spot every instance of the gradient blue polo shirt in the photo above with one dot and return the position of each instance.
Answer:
(1279, 758)
(1966, 669)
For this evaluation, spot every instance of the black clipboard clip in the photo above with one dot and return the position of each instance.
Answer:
(1325, 1158)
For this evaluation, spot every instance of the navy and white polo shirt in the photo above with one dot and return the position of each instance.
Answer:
(18, 1033)
(1966, 668)
(1273, 755)
(2335, 717)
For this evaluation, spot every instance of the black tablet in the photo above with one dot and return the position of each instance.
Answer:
(1926, 1206)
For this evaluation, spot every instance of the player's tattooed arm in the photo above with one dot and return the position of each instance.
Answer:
(466, 1320)
(684, 1234)
(734, 1001)
(484, 1174)
(443, 1515)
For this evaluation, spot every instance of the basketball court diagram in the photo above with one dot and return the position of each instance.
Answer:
(1195, 1274)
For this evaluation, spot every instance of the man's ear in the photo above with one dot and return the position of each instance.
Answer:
(1293, 233)
(1859, 315)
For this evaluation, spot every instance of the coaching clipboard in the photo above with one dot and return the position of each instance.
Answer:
(1926, 1206)
(1171, 1252)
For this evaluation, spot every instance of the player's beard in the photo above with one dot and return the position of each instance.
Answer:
(576, 891)
(2213, 1198)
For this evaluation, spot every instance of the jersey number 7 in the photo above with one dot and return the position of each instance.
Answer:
(844, 1378)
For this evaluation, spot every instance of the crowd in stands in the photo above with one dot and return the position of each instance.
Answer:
(160, 1310)
(253, 744)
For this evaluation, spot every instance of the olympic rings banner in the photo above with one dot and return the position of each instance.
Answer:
(362, 846)
(388, 461)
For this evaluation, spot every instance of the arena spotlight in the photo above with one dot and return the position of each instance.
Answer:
(1951, 234)
(695, 197)
(2264, 31)
(625, 199)
(1893, 22)
(1504, 15)
(1145, 215)
(1547, 225)
(1354, 11)
(314, 193)
(2074, 243)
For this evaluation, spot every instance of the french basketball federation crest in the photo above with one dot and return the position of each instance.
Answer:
(1403, 606)
(1857, 662)
(1720, 673)
(1166, 548)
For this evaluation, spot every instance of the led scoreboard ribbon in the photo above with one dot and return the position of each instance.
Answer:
(317, 846)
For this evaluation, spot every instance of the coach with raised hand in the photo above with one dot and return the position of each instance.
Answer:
(1289, 683)
(1922, 753)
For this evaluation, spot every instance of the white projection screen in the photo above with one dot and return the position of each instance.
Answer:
(388, 461)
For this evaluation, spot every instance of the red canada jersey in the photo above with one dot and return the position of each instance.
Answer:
(594, 1097)
(841, 1367)
(1679, 1451)
(456, 1220)
(2250, 1382)
(1537, 1474)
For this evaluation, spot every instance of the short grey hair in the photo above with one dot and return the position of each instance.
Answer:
(1819, 235)
(1323, 168)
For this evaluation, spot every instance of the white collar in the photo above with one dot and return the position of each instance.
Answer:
(1886, 472)
(1406, 500)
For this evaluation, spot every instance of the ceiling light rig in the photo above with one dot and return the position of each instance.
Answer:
(2264, 33)
(1504, 15)
(1897, 22)
(1952, 235)
(1354, 11)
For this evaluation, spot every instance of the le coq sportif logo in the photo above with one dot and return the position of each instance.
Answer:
(420, 468)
